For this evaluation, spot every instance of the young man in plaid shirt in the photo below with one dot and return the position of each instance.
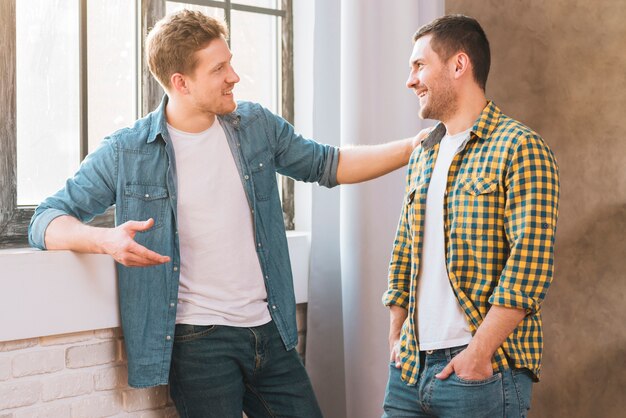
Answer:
(473, 255)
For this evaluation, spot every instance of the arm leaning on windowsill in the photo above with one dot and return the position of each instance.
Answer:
(68, 233)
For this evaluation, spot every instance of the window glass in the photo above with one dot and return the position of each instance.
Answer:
(256, 58)
(46, 96)
(216, 12)
(111, 57)
(269, 4)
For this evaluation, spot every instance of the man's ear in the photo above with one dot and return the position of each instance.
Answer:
(179, 83)
(461, 64)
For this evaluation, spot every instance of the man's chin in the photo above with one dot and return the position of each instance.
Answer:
(230, 108)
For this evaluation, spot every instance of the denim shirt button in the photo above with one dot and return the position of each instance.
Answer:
(167, 337)
(175, 268)
(172, 304)
(273, 306)
(246, 177)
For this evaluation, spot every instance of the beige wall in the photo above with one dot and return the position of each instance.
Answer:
(560, 67)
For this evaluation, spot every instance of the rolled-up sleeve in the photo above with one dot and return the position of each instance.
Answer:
(298, 157)
(531, 213)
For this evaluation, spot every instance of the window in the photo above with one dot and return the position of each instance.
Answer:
(74, 73)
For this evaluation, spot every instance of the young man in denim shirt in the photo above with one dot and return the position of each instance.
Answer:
(205, 285)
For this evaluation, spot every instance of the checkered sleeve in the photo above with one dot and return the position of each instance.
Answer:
(399, 275)
(532, 193)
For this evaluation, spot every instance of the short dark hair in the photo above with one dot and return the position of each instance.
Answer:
(455, 33)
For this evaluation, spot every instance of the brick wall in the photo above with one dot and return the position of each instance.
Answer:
(81, 375)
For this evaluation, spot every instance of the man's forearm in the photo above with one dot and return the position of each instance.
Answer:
(494, 330)
(397, 316)
(68, 233)
(361, 163)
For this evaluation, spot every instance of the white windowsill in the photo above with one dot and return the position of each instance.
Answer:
(60, 292)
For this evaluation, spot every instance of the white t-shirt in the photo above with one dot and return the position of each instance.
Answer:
(221, 282)
(440, 318)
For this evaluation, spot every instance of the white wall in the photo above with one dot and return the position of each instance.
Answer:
(324, 329)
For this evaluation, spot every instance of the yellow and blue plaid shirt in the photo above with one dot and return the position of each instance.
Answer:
(500, 212)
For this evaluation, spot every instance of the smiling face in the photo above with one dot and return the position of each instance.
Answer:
(210, 86)
(432, 81)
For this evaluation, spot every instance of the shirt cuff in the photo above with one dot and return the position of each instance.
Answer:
(38, 226)
(515, 299)
(329, 176)
(397, 298)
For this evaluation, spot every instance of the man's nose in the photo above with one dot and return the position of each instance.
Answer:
(412, 81)
(233, 77)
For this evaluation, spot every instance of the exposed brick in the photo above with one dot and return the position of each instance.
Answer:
(97, 406)
(111, 378)
(18, 344)
(122, 351)
(38, 362)
(91, 355)
(66, 338)
(5, 369)
(149, 398)
(67, 386)
(44, 411)
(108, 334)
(14, 394)
(155, 413)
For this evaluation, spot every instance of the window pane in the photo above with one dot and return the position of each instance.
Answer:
(112, 83)
(171, 7)
(269, 4)
(254, 41)
(47, 96)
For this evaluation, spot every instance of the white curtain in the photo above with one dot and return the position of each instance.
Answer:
(361, 57)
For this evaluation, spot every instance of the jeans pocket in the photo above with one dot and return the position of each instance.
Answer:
(186, 332)
(471, 398)
(493, 378)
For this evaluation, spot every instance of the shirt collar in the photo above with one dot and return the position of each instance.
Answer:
(482, 129)
(158, 122)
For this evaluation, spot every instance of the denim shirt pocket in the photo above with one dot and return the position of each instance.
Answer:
(263, 175)
(144, 201)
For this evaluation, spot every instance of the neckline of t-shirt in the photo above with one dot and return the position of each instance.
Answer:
(194, 135)
(457, 137)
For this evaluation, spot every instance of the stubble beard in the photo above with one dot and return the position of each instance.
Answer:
(442, 102)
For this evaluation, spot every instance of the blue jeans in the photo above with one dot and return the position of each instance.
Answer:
(505, 394)
(220, 371)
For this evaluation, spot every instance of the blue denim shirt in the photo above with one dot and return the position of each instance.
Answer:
(135, 169)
